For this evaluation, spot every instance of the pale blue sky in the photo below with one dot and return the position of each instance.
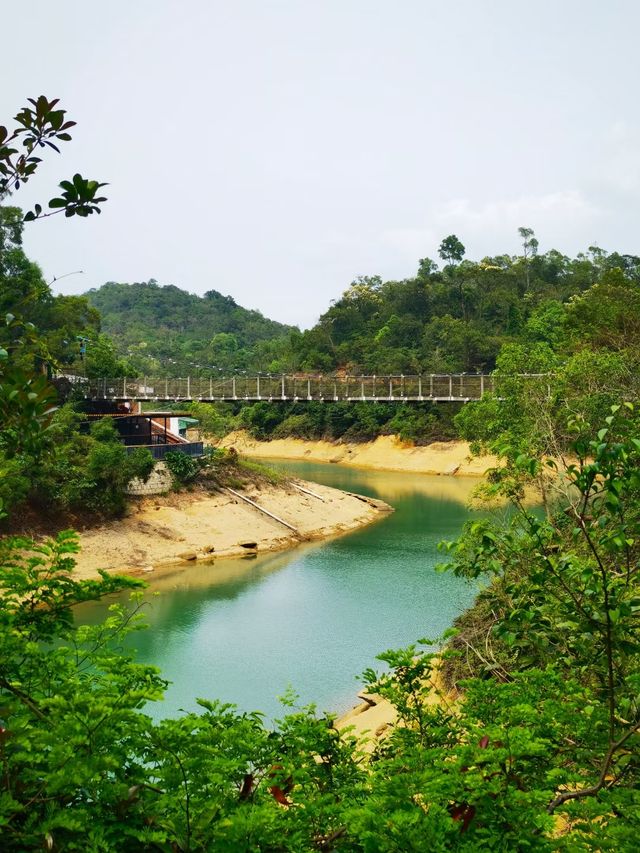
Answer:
(276, 150)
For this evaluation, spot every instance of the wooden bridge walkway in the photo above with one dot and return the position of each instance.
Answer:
(440, 388)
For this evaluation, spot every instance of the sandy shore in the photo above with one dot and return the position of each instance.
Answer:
(386, 453)
(375, 716)
(167, 530)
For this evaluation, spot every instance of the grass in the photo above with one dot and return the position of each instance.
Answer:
(264, 472)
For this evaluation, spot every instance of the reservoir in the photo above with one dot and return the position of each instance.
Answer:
(311, 619)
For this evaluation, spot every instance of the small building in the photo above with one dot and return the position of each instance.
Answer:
(159, 432)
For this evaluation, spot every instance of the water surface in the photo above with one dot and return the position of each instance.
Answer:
(313, 618)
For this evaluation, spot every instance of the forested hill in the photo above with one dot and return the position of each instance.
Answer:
(456, 315)
(164, 327)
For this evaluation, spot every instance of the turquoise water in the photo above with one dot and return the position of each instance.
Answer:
(313, 618)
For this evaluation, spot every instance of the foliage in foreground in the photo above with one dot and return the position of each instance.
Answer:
(543, 758)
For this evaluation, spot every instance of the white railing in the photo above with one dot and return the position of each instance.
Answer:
(462, 387)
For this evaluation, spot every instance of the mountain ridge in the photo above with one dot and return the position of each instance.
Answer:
(157, 324)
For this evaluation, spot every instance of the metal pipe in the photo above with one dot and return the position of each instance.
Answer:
(262, 509)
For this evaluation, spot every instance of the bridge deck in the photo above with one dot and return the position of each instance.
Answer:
(461, 388)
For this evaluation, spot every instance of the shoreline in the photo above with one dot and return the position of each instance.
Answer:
(385, 453)
(374, 716)
(174, 530)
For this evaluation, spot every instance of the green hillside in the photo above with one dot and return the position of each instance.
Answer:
(575, 319)
(456, 317)
(165, 328)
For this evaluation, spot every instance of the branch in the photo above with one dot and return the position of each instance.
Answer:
(23, 697)
(594, 789)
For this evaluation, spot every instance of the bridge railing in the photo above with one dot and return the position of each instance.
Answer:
(462, 386)
(159, 451)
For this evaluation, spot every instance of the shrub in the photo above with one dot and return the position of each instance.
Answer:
(296, 426)
(261, 419)
(104, 430)
(108, 472)
(87, 472)
(214, 421)
(183, 468)
(15, 482)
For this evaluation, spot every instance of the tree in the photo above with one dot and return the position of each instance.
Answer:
(38, 128)
(530, 249)
(565, 594)
(26, 397)
(451, 250)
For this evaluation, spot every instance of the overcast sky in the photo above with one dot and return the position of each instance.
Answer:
(276, 149)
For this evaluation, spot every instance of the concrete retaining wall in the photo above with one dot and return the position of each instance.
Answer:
(158, 483)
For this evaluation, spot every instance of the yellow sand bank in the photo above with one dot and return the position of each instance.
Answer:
(163, 531)
(386, 453)
(375, 716)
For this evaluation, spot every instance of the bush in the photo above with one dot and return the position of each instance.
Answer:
(296, 426)
(215, 421)
(183, 468)
(140, 464)
(15, 482)
(104, 430)
(87, 472)
(261, 419)
(109, 471)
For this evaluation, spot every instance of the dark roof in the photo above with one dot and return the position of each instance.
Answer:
(139, 415)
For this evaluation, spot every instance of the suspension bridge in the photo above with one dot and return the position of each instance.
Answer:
(292, 388)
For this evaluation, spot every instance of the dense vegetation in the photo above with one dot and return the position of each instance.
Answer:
(166, 330)
(577, 319)
(420, 423)
(582, 333)
(533, 313)
(540, 754)
(540, 751)
(59, 469)
(61, 320)
(457, 318)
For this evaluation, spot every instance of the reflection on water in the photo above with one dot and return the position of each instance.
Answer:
(244, 630)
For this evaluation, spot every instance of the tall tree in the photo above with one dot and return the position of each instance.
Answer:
(530, 249)
(451, 250)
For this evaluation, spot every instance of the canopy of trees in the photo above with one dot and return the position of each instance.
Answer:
(456, 319)
(164, 329)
